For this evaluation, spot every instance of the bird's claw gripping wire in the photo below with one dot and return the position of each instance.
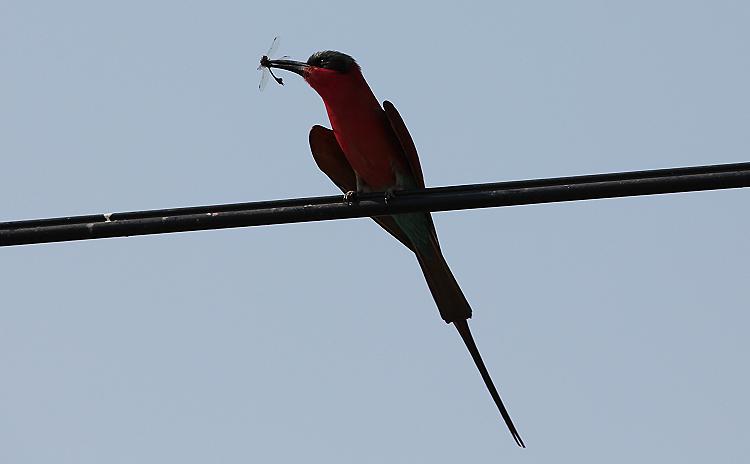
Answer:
(390, 194)
(351, 197)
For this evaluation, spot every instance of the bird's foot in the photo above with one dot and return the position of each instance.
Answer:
(351, 197)
(389, 195)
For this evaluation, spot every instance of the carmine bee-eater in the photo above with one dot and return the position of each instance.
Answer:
(370, 150)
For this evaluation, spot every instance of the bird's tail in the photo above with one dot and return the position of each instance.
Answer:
(463, 330)
(448, 296)
(454, 308)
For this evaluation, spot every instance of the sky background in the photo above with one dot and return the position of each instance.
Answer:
(615, 329)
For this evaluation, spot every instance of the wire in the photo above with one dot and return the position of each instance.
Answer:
(524, 192)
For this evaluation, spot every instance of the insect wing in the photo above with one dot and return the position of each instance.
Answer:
(274, 46)
(264, 70)
(263, 77)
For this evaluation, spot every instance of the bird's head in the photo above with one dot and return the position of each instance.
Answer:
(329, 72)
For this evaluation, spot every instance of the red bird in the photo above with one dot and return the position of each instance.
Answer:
(370, 150)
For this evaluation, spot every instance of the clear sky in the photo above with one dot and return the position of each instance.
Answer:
(615, 329)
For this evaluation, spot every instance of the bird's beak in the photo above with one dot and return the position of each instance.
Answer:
(296, 67)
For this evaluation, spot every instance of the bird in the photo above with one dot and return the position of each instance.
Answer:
(369, 149)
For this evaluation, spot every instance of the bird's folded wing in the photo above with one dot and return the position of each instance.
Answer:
(409, 149)
(407, 144)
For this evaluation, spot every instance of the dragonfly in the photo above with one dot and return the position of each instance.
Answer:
(263, 67)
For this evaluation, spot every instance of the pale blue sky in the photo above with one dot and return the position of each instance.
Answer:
(615, 329)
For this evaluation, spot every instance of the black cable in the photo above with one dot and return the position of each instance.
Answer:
(525, 192)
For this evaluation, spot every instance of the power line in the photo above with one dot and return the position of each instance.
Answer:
(524, 192)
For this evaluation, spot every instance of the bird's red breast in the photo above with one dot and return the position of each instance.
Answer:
(361, 127)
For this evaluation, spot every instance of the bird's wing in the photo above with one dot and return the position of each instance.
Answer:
(407, 144)
(409, 149)
(331, 160)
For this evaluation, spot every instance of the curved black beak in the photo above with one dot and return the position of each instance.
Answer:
(296, 67)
